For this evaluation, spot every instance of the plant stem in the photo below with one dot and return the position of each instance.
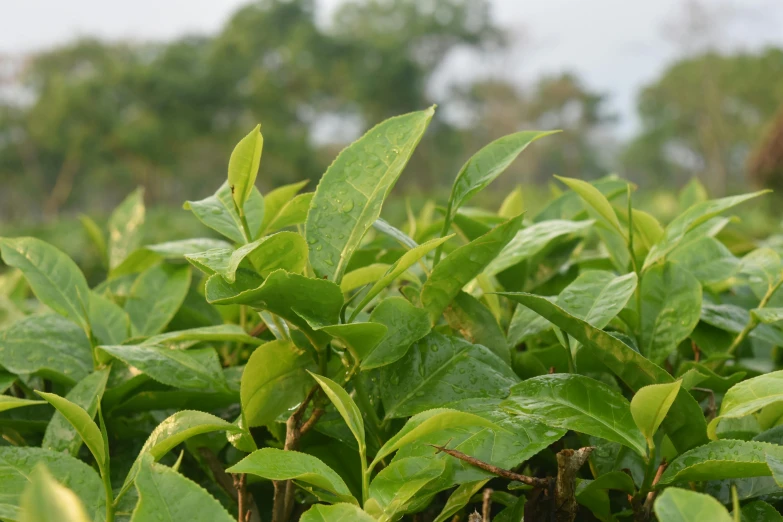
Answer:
(109, 497)
(753, 322)
(443, 233)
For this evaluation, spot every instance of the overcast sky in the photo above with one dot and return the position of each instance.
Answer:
(615, 45)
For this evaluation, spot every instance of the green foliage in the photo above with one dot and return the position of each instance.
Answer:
(395, 381)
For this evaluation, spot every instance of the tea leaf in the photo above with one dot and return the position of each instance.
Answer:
(275, 200)
(345, 406)
(125, 228)
(243, 166)
(8, 402)
(46, 500)
(396, 485)
(722, 459)
(476, 324)
(747, 397)
(650, 405)
(219, 213)
(294, 212)
(597, 201)
(682, 505)
(335, 513)
(155, 297)
(405, 325)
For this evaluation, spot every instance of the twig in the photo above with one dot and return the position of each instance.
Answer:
(696, 351)
(474, 517)
(258, 330)
(240, 484)
(500, 472)
(651, 495)
(226, 483)
(486, 505)
(568, 463)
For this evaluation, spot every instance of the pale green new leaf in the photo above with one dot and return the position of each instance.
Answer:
(722, 459)
(462, 265)
(487, 164)
(577, 403)
(46, 500)
(597, 201)
(53, 276)
(95, 234)
(155, 297)
(747, 397)
(336, 513)
(293, 213)
(650, 405)
(682, 505)
(345, 406)
(397, 483)
(275, 200)
(349, 197)
(125, 228)
(221, 332)
(219, 213)
(275, 464)
(167, 496)
(459, 499)
(243, 166)
(9, 402)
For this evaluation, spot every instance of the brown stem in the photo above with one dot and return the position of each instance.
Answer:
(258, 330)
(500, 472)
(224, 480)
(568, 463)
(240, 484)
(474, 517)
(651, 495)
(486, 506)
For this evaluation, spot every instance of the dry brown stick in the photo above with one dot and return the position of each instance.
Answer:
(486, 505)
(474, 517)
(240, 484)
(500, 472)
(568, 464)
(226, 483)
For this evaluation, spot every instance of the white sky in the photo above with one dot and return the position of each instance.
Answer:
(614, 45)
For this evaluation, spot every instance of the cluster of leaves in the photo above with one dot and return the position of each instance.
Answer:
(320, 364)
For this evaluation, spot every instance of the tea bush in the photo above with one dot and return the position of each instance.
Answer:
(320, 364)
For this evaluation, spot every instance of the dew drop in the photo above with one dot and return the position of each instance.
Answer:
(347, 206)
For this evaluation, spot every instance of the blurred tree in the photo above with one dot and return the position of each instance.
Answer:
(703, 117)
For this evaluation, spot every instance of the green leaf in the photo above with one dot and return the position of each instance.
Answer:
(593, 197)
(17, 467)
(459, 499)
(61, 434)
(363, 276)
(462, 265)
(690, 219)
(671, 307)
(243, 165)
(760, 511)
(305, 302)
(684, 424)
(197, 369)
(693, 192)
(487, 164)
(219, 213)
(383, 226)
(397, 483)
(345, 406)
(513, 204)
(578, 403)
(440, 369)
(176, 250)
(95, 234)
(532, 240)
(722, 459)
(155, 297)
(167, 496)
(55, 279)
(405, 325)
(8, 402)
(172, 432)
(407, 260)
(335, 513)
(46, 500)
(476, 324)
(767, 315)
(349, 197)
(682, 505)
(221, 332)
(285, 250)
(747, 397)
(275, 464)
(83, 424)
(273, 381)
(125, 228)
(359, 338)
(110, 323)
(276, 200)
(650, 405)
(293, 213)
(425, 423)
(48, 345)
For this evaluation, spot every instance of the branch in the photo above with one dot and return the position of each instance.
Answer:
(568, 463)
(500, 472)
(486, 506)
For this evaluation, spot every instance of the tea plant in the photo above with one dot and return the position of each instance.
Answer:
(320, 364)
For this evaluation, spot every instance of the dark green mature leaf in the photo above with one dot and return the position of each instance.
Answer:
(440, 369)
(462, 265)
(155, 297)
(760, 511)
(749, 396)
(285, 250)
(110, 324)
(54, 277)
(82, 423)
(243, 166)
(48, 345)
(733, 318)
(707, 259)
(274, 380)
(671, 306)
(685, 423)
(308, 303)
(359, 338)
(682, 505)
(173, 431)
(475, 323)
(405, 325)
(17, 465)
(60, 433)
(690, 219)
(167, 496)
(722, 459)
(46, 500)
(407, 260)
(397, 483)
(125, 228)
(349, 197)
(197, 369)
(487, 164)
(532, 240)
(578, 403)
(275, 464)
(219, 213)
(221, 332)
(276, 200)
(336, 513)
